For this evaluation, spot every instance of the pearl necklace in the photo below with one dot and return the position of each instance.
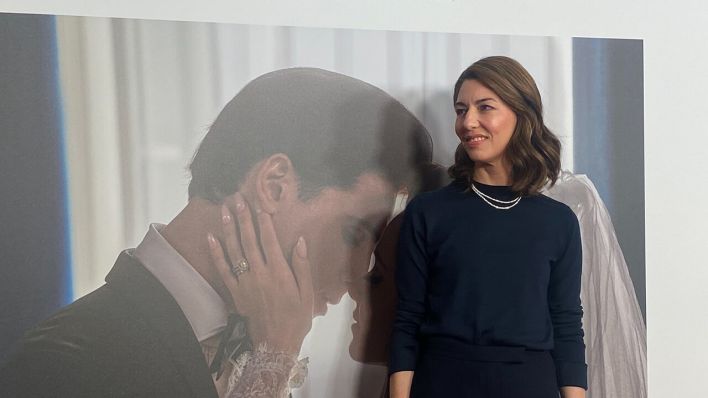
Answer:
(488, 199)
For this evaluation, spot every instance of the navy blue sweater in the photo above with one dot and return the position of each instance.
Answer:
(485, 276)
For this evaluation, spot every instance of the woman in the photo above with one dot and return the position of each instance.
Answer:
(375, 298)
(489, 269)
(375, 293)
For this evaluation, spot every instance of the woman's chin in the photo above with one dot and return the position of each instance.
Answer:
(356, 353)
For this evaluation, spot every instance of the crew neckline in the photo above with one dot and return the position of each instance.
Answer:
(502, 192)
(480, 184)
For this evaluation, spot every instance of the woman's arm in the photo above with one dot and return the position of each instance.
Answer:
(566, 310)
(275, 297)
(411, 285)
(265, 374)
(572, 392)
(400, 384)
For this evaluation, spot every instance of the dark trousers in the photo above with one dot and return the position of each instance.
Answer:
(451, 369)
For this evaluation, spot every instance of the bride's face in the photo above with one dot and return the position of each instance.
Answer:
(375, 297)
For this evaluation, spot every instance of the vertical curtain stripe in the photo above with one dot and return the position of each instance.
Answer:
(608, 102)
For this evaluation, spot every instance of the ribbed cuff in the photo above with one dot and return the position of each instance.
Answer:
(572, 374)
(401, 362)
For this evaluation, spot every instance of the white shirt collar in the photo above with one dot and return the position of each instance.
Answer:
(203, 307)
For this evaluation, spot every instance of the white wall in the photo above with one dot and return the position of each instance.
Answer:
(675, 144)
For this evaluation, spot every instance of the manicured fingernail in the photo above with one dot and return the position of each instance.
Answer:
(225, 215)
(239, 202)
(211, 240)
(301, 247)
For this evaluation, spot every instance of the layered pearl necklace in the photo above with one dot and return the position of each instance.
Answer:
(501, 204)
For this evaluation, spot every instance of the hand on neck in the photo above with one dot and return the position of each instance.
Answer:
(187, 234)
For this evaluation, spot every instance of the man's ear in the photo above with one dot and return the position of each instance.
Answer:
(276, 182)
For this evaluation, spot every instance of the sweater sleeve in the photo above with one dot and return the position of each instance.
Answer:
(411, 276)
(566, 311)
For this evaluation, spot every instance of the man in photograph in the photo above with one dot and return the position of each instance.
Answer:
(322, 157)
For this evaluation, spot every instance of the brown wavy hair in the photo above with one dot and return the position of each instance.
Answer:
(533, 151)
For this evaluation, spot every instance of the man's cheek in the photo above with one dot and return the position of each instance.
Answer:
(324, 269)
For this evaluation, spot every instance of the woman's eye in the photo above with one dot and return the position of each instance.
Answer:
(460, 111)
(485, 108)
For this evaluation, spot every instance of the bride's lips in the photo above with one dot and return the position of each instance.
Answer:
(355, 314)
(320, 305)
(355, 324)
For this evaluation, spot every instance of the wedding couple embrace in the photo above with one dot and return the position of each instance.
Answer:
(295, 185)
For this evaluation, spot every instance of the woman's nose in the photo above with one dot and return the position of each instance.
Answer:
(357, 289)
(471, 121)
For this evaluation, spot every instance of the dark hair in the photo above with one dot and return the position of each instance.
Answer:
(331, 126)
(534, 151)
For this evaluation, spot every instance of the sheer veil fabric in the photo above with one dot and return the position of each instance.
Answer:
(615, 333)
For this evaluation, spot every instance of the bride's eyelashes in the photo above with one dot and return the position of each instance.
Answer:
(373, 278)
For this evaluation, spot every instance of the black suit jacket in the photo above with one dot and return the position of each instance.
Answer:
(129, 338)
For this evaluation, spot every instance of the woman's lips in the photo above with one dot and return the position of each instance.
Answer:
(475, 141)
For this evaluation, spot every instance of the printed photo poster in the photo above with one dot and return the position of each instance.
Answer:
(362, 119)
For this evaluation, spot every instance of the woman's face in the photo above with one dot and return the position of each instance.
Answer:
(484, 123)
(375, 297)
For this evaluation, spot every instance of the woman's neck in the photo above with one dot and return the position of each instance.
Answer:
(492, 174)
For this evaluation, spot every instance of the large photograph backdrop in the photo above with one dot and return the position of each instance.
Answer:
(135, 97)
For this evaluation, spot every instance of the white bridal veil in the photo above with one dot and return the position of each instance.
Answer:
(615, 334)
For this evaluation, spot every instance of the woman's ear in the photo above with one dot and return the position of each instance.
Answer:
(276, 182)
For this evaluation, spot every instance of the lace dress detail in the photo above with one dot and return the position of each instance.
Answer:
(264, 373)
(254, 373)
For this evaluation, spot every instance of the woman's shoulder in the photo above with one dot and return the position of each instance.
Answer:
(552, 207)
(433, 199)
